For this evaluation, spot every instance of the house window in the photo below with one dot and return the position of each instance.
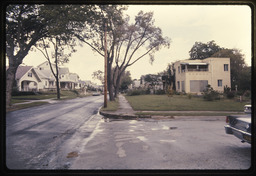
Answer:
(225, 67)
(46, 83)
(219, 83)
(29, 74)
(178, 69)
(178, 85)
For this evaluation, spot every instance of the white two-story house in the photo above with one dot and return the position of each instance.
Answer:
(192, 76)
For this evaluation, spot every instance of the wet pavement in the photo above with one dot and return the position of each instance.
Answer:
(163, 144)
(40, 137)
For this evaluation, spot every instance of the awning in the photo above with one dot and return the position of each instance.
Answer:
(194, 63)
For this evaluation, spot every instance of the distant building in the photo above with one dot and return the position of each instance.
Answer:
(41, 78)
(192, 76)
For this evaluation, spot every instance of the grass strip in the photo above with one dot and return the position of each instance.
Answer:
(184, 114)
(23, 106)
(111, 105)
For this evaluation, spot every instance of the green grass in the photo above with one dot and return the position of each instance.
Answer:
(65, 94)
(182, 103)
(23, 106)
(111, 105)
(184, 114)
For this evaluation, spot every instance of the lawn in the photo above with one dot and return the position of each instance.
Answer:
(65, 94)
(182, 103)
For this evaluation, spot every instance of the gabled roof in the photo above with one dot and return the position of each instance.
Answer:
(45, 74)
(63, 70)
(44, 63)
(22, 70)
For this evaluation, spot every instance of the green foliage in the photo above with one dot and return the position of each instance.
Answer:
(203, 50)
(209, 94)
(136, 92)
(160, 92)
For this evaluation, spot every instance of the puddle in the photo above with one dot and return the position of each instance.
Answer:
(167, 141)
(133, 121)
(72, 155)
(142, 138)
(165, 127)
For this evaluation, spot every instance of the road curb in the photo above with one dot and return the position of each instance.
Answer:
(114, 115)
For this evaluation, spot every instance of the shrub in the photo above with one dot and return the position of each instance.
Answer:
(159, 92)
(136, 92)
(17, 93)
(210, 94)
(230, 95)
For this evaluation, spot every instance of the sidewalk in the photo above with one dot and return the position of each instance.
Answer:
(124, 110)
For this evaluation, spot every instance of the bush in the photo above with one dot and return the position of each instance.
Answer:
(17, 93)
(230, 95)
(160, 92)
(136, 92)
(210, 94)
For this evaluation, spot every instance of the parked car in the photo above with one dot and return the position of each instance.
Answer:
(240, 125)
(96, 93)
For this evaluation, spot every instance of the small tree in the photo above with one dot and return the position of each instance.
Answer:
(59, 45)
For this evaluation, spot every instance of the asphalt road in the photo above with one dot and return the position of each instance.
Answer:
(38, 137)
(187, 144)
(71, 135)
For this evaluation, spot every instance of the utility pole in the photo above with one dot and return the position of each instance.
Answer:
(106, 66)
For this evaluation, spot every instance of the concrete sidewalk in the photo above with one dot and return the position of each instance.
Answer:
(124, 110)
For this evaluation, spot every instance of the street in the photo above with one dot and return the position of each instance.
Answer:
(72, 135)
(35, 136)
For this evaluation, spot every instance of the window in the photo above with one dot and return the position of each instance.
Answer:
(225, 67)
(178, 85)
(29, 74)
(219, 83)
(46, 83)
(178, 69)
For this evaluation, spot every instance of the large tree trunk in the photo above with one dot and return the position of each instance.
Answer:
(118, 81)
(10, 78)
(110, 83)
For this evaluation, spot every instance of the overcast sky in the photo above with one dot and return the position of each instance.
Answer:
(228, 25)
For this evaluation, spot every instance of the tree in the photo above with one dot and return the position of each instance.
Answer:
(27, 24)
(203, 50)
(24, 27)
(126, 80)
(67, 21)
(57, 55)
(127, 43)
(113, 16)
(136, 41)
(98, 75)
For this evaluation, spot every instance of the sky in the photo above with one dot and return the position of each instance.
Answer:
(228, 25)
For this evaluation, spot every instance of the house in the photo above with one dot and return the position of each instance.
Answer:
(41, 78)
(27, 79)
(47, 80)
(192, 76)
